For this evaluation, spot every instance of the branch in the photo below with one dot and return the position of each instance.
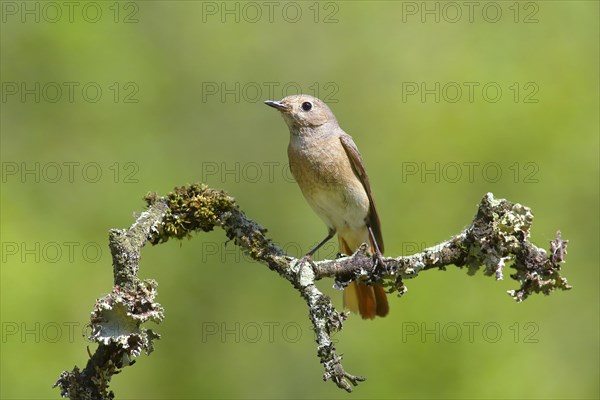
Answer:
(498, 233)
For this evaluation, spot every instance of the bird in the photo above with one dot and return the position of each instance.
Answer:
(330, 172)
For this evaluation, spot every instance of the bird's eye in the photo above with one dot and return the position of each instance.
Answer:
(306, 106)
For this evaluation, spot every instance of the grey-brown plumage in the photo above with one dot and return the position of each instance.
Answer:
(330, 172)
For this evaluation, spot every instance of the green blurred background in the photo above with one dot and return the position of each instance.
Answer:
(182, 85)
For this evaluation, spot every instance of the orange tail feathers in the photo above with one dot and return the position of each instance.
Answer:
(368, 301)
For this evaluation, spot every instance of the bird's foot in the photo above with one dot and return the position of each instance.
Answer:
(307, 259)
(378, 261)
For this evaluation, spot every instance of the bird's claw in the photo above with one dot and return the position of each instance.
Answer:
(378, 261)
(307, 259)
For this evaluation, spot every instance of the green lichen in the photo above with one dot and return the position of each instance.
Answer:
(191, 208)
(539, 272)
(513, 227)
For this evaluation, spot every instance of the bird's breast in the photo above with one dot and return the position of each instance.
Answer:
(325, 176)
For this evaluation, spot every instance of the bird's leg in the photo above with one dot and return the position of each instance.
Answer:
(308, 256)
(377, 256)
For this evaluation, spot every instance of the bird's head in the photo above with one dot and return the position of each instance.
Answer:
(302, 110)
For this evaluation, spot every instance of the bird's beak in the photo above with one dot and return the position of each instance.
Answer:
(278, 105)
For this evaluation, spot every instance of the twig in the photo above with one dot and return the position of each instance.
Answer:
(498, 233)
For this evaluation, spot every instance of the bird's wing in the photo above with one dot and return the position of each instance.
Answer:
(361, 173)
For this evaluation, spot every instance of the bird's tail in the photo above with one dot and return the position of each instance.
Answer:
(368, 301)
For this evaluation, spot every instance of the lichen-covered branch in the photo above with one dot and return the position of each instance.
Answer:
(117, 317)
(498, 234)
